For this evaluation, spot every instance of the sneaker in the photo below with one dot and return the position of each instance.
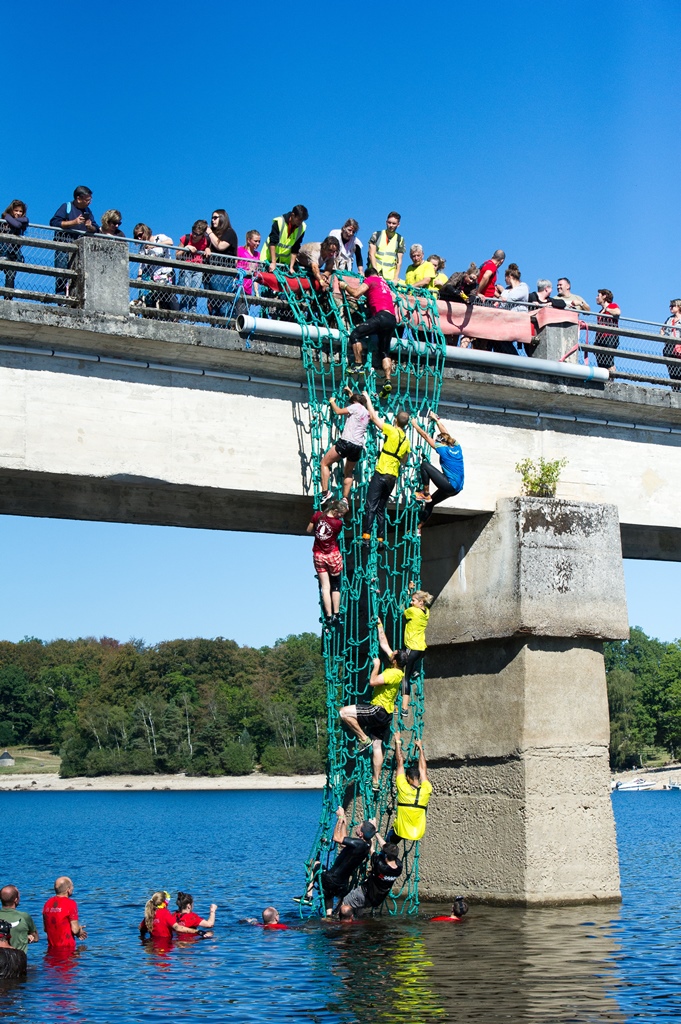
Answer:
(375, 788)
(385, 390)
(366, 541)
(380, 545)
(335, 620)
(356, 370)
(364, 748)
(422, 496)
(324, 497)
(303, 900)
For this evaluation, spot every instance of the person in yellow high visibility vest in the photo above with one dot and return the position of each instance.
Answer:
(285, 237)
(413, 794)
(387, 248)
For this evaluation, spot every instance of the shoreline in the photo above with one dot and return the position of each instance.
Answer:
(47, 781)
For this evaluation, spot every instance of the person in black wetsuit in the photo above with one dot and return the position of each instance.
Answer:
(13, 962)
(386, 868)
(354, 850)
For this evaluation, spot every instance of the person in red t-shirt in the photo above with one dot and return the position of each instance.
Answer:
(60, 917)
(487, 275)
(185, 913)
(158, 921)
(609, 315)
(382, 322)
(459, 911)
(327, 557)
(194, 248)
(270, 920)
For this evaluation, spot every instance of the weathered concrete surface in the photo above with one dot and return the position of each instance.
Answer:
(517, 726)
(160, 433)
(542, 567)
(103, 275)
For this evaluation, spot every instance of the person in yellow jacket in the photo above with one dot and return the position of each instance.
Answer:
(393, 455)
(285, 237)
(421, 272)
(416, 619)
(371, 722)
(387, 248)
(413, 794)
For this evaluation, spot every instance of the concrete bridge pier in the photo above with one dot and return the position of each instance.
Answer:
(517, 725)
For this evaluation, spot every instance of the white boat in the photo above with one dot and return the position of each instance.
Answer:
(635, 785)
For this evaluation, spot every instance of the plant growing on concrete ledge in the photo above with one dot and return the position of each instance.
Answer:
(540, 479)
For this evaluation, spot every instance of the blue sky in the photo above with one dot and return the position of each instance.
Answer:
(548, 130)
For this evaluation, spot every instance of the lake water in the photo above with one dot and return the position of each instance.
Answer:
(245, 850)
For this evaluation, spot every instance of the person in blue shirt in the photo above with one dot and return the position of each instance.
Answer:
(449, 478)
(72, 220)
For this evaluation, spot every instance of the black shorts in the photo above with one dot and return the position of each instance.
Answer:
(330, 887)
(348, 450)
(375, 720)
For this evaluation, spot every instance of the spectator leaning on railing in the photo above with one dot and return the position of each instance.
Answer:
(421, 272)
(249, 257)
(487, 276)
(672, 348)
(111, 223)
(193, 250)
(516, 291)
(155, 245)
(350, 246)
(319, 259)
(14, 221)
(571, 300)
(609, 315)
(462, 286)
(224, 247)
(285, 237)
(74, 219)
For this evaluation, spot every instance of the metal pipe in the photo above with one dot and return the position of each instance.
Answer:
(283, 329)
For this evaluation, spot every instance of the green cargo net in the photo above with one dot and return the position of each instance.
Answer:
(373, 585)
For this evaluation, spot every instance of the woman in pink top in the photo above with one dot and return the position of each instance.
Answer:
(249, 254)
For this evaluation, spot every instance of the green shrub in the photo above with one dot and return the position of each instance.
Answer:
(278, 760)
(238, 758)
(540, 479)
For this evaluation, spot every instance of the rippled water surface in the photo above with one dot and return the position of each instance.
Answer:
(244, 851)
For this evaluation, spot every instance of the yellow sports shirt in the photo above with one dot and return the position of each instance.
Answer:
(415, 630)
(410, 820)
(421, 276)
(395, 447)
(386, 693)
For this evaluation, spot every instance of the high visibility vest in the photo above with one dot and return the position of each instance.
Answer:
(386, 254)
(286, 241)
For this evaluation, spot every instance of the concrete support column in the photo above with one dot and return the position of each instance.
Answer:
(554, 340)
(517, 723)
(103, 275)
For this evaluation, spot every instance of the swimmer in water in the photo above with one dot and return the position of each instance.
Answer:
(185, 914)
(270, 921)
(459, 911)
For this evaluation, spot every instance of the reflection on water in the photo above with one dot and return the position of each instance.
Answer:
(553, 966)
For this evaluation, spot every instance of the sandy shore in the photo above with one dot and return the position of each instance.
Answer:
(111, 783)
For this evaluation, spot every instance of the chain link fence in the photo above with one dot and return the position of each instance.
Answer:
(39, 266)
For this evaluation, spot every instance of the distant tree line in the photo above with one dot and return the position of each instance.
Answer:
(644, 692)
(210, 707)
(205, 707)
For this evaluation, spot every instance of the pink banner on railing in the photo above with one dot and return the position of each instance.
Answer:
(494, 324)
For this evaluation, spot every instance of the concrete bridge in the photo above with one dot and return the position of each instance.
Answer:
(107, 416)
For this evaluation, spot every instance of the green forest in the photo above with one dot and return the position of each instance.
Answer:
(210, 707)
(205, 707)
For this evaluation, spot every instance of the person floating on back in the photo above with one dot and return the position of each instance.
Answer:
(327, 557)
(396, 448)
(354, 850)
(413, 794)
(349, 446)
(386, 868)
(381, 322)
(416, 616)
(459, 911)
(448, 479)
(371, 722)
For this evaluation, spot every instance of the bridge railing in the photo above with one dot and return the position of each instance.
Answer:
(42, 267)
(38, 268)
(636, 351)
